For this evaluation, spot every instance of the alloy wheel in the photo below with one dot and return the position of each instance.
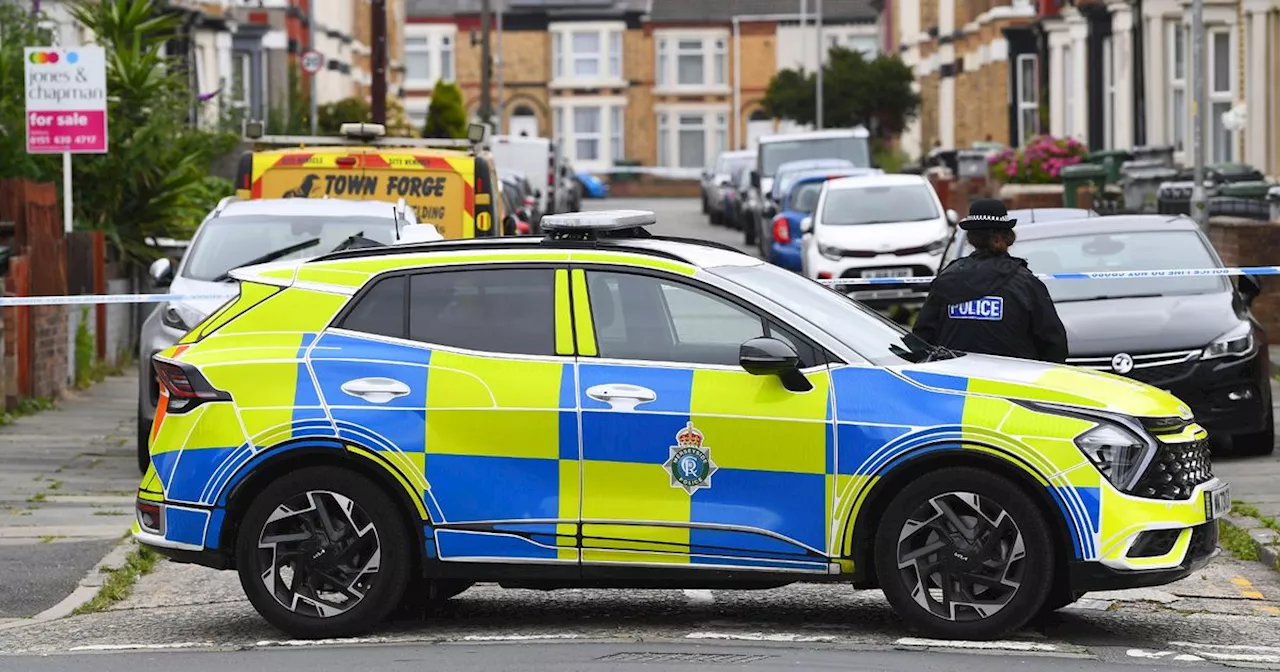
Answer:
(318, 554)
(961, 556)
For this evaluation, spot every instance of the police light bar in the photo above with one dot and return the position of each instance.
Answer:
(604, 220)
(363, 131)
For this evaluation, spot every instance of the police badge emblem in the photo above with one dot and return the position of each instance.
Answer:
(690, 463)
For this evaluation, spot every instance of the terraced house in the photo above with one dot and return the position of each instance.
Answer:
(657, 82)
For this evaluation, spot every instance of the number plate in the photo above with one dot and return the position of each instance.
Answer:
(1217, 502)
(887, 273)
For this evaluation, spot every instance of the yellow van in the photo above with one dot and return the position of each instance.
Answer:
(449, 183)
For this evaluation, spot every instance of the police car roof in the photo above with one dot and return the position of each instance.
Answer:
(309, 207)
(1107, 224)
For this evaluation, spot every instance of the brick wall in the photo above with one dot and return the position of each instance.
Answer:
(1247, 242)
(49, 341)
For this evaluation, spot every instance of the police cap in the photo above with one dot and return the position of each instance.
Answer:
(987, 214)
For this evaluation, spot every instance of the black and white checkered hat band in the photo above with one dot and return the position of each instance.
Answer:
(987, 218)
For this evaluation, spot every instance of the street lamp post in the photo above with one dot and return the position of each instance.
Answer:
(817, 16)
(1199, 209)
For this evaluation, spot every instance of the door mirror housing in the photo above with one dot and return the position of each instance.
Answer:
(772, 357)
(161, 271)
(1250, 287)
(953, 216)
(806, 225)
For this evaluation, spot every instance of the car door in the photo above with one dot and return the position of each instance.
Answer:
(457, 376)
(687, 459)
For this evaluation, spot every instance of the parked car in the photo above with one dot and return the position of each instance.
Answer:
(877, 226)
(518, 218)
(1023, 217)
(731, 194)
(590, 186)
(787, 174)
(524, 198)
(744, 202)
(719, 177)
(241, 233)
(852, 144)
(783, 248)
(1194, 336)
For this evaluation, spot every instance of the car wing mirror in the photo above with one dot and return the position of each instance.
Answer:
(161, 271)
(1250, 287)
(952, 216)
(806, 225)
(772, 357)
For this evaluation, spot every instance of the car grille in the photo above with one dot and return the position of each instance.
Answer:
(1176, 470)
(1152, 368)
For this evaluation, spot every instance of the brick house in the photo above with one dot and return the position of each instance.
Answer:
(659, 82)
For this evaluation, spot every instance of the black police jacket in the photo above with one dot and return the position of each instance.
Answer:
(992, 304)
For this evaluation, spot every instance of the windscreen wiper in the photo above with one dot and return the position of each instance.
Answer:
(1108, 297)
(271, 256)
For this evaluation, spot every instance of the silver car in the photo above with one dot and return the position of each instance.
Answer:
(243, 233)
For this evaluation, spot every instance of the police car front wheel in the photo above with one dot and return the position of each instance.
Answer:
(323, 552)
(964, 554)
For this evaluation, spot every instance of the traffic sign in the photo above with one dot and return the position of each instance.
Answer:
(66, 100)
(312, 61)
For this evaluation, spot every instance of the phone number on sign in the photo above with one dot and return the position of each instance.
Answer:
(64, 140)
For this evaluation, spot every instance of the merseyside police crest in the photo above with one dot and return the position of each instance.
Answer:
(690, 463)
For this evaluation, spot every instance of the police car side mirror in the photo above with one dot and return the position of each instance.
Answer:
(806, 225)
(161, 271)
(772, 357)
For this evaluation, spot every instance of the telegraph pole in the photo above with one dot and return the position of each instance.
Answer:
(497, 65)
(486, 64)
(379, 92)
(822, 52)
(1199, 206)
(311, 44)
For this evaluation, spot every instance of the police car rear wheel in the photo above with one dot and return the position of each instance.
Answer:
(964, 554)
(323, 552)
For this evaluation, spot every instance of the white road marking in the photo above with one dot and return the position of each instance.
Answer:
(962, 644)
(699, 596)
(141, 647)
(1142, 653)
(1228, 647)
(517, 638)
(760, 636)
(1236, 653)
(322, 642)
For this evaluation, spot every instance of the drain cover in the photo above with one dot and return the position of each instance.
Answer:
(697, 658)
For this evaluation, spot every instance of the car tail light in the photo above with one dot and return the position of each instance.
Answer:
(186, 386)
(529, 201)
(781, 230)
(345, 161)
(824, 275)
(522, 228)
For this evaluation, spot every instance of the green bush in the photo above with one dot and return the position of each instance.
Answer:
(447, 116)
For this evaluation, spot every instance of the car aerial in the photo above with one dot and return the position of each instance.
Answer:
(1194, 336)
(849, 144)
(237, 233)
(956, 246)
(797, 202)
(720, 177)
(599, 407)
(877, 226)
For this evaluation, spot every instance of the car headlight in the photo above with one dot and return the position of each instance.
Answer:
(936, 247)
(830, 252)
(1238, 341)
(1120, 454)
(180, 317)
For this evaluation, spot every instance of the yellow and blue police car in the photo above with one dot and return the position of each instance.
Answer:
(602, 407)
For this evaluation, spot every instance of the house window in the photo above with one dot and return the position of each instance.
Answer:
(691, 138)
(664, 139)
(1068, 89)
(1028, 98)
(1108, 93)
(590, 130)
(615, 132)
(692, 61)
(446, 58)
(241, 79)
(417, 58)
(866, 45)
(586, 52)
(586, 133)
(1177, 86)
(428, 57)
(1221, 96)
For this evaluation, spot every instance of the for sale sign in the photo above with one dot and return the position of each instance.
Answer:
(66, 100)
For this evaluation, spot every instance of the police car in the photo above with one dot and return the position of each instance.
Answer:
(598, 406)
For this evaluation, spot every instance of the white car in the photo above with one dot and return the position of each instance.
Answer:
(876, 226)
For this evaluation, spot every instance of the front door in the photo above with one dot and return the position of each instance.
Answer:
(686, 458)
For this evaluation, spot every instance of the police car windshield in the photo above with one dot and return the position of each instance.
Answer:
(879, 204)
(229, 242)
(869, 333)
(1137, 251)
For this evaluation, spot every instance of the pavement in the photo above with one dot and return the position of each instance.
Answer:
(66, 493)
(197, 619)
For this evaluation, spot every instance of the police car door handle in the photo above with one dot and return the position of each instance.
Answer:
(375, 390)
(622, 396)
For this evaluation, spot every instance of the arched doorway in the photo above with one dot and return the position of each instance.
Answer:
(523, 121)
(758, 124)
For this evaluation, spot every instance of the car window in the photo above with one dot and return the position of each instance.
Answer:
(1141, 251)
(503, 310)
(381, 310)
(231, 241)
(805, 197)
(879, 204)
(648, 318)
(774, 154)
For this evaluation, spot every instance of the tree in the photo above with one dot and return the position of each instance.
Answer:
(19, 28)
(874, 93)
(446, 116)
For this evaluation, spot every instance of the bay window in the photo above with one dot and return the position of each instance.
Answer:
(692, 60)
(586, 53)
(691, 137)
(590, 129)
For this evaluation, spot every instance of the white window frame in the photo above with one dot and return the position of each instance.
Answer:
(562, 113)
(1023, 106)
(418, 51)
(714, 53)
(439, 51)
(1068, 91)
(715, 127)
(1109, 92)
(1217, 96)
(609, 57)
(241, 64)
(1178, 126)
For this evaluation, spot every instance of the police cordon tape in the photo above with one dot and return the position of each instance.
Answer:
(96, 299)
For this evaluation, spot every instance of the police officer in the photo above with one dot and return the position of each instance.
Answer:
(990, 302)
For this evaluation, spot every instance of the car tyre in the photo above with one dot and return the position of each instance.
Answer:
(1002, 577)
(1258, 443)
(144, 447)
(706, 205)
(749, 229)
(304, 515)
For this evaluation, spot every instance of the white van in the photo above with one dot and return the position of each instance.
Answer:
(528, 155)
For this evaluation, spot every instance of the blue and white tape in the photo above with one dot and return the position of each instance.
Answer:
(95, 299)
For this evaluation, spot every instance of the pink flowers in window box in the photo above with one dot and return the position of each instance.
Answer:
(1040, 161)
